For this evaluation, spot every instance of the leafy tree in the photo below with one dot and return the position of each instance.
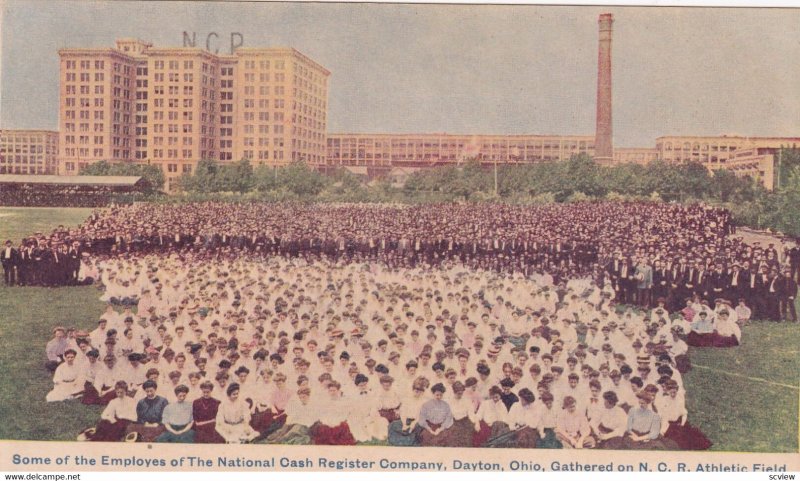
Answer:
(786, 159)
(300, 179)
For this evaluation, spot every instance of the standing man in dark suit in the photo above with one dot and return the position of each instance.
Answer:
(23, 265)
(738, 281)
(74, 262)
(718, 284)
(787, 293)
(771, 293)
(10, 260)
(613, 269)
(661, 284)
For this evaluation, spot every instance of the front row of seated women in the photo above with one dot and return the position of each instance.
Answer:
(505, 419)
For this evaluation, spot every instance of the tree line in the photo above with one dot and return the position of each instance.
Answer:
(578, 179)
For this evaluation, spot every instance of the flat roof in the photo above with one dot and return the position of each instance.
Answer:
(111, 180)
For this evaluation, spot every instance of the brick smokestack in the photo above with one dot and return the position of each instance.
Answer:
(603, 146)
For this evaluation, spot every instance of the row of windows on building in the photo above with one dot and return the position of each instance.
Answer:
(25, 170)
(25, 148)
(696, 147)
(205, 67)
(98, 65)
(85, 64)
(23, 159)
(248, 103)
(264, 64)
(335, 142)
(84, 127)
(96, 152)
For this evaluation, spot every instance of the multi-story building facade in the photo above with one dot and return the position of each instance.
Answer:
(714, 151)
(756, 163)
(384, 151)
(623, 155)
(96, 107)
(28, 152)
(280, 109)
(172, 107)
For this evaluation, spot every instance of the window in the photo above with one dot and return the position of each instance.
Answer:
(172, 168)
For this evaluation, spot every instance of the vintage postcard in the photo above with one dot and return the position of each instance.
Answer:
(398, 237)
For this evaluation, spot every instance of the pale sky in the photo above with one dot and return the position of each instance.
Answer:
(455, 68)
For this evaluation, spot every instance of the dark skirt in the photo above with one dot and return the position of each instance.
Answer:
(687, 437)
(207, 434)
(289, 434)
(90, 394)
(658, 444)
(398, 436)
(459, 434)
(339, 435)
(110, 432)
(494, 436)
(146, 434)
(267, 422)
(549, 440)
(711, 340)
(526, 438)
(168, 437)
(611, 443)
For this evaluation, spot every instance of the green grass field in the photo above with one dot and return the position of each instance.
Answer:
(18, 222)
(744, 399)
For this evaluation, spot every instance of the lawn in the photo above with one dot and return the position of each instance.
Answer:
(18, 222)
(744, 399)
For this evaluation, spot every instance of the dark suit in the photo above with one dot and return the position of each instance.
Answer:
(718, 285)
(10, 259)
(787, 293)
(661, 283)
(771, 292)
(737, 285)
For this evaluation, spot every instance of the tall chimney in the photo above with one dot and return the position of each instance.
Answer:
(603, 147)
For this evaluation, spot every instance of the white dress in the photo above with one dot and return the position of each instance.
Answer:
(67, 383)
(233, 422)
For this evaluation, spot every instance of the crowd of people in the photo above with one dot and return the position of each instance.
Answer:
(562, 326)
(320, 352)
(646, 251)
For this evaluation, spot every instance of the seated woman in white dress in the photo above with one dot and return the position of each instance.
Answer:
(333, 427)
(67, 380)
(233, 418)
(301, 414)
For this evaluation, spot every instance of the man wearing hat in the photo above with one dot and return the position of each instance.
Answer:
(9, 257)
